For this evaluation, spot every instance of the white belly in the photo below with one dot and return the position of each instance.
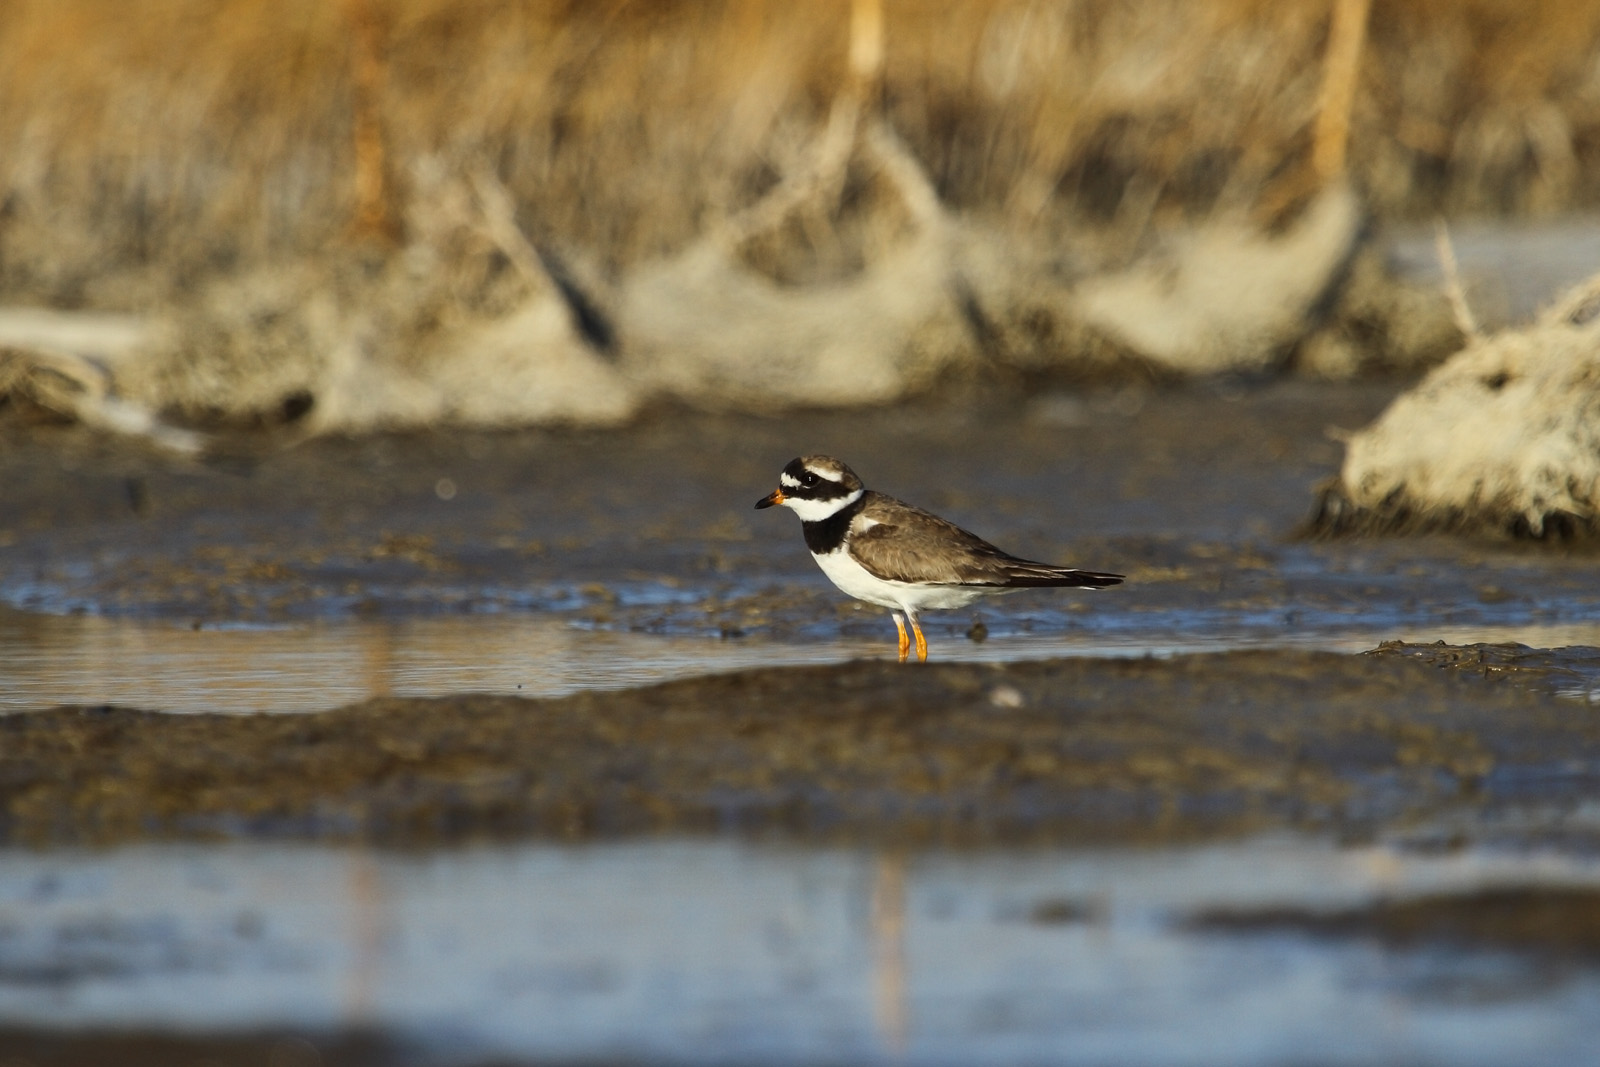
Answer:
(857, 581)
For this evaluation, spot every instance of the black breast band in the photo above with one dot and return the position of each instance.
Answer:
(826, 535)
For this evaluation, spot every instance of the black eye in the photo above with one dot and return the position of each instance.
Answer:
(809, 479)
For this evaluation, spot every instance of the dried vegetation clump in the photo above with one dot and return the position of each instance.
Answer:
(1503, 438)
(502, 211)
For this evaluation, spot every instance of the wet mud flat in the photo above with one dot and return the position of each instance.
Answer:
(650, 527)
(1076, 750)
(1194, 493)
(1432, 757)
(1462, 753)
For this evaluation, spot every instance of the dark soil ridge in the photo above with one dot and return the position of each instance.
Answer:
(1334, 515)
(1070, 750)
(1557, 922)
(44, 1047)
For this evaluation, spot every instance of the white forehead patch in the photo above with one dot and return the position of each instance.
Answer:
(786, 479)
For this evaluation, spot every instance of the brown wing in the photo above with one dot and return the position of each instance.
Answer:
(908, 544)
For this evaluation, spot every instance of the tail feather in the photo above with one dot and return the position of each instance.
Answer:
(1042, 575)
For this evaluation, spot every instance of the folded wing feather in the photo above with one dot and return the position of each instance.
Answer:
(898, 542)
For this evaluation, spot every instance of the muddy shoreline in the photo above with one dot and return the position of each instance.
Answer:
(1063, 751)
(1195, 494)
(603, 550)
(1433, 749)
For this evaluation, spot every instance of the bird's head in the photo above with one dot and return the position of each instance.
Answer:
(814, 487)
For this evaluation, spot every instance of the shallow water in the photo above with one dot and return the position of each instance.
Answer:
(86, 660)
(715, 952)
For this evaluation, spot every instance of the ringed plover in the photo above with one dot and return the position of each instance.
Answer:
(888, 553)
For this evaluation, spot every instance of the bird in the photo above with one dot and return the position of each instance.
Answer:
(897, 556)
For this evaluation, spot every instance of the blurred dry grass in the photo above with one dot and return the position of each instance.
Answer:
(146, 145)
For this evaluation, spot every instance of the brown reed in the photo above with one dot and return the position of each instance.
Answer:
(146, 145)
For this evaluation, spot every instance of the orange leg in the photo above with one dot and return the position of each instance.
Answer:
(905, 642)
(922, 642)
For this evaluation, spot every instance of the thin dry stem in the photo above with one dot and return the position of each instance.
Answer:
(499, 224)
(1331, 139)
(374, 215)
(1445, 248)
